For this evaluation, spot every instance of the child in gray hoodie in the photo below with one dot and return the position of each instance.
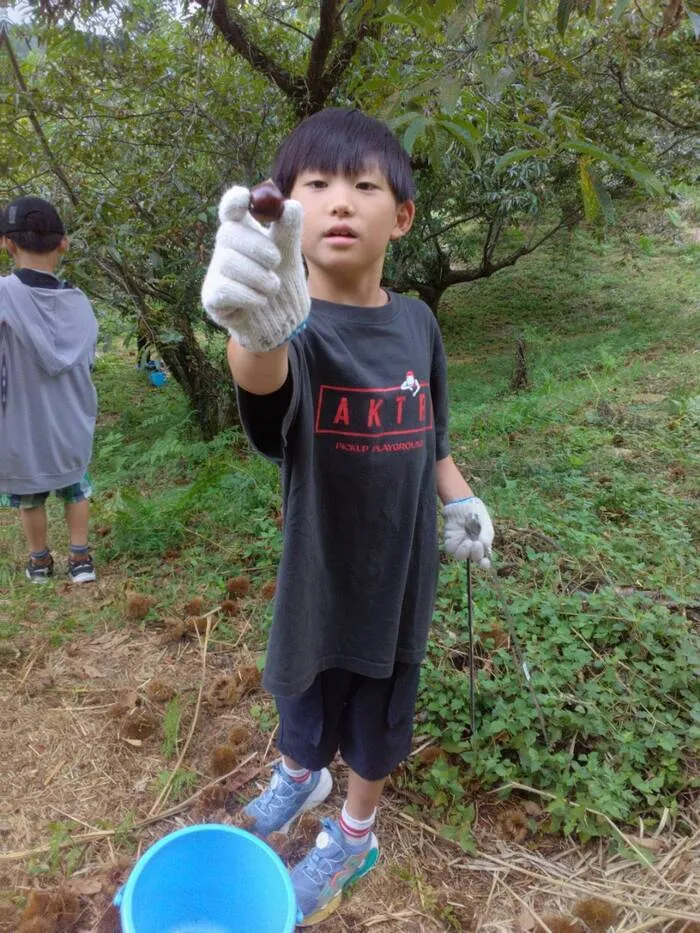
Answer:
(48, 404)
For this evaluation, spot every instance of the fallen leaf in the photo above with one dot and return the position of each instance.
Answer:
(531, 808)
(85, 886)
(128, 697)
(648, 398)
(241, 778)
(654, 845)
(525, 921)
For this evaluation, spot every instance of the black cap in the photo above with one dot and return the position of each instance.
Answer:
(31, 215)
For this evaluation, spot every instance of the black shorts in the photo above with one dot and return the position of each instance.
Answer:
(369, 719)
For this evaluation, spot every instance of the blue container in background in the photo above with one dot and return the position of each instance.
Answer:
(157, 378)
(208, 879)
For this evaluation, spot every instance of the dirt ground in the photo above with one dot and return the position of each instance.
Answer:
(83, 734)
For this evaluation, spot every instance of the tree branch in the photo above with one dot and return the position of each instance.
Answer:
(281, 22)
(577, 58)
(339, 63)
(34, 120)
(673, 14)
(455, 223)
(325, 68)
(235, 34)
(617, 73)
(458, 276)
(322, 43)
(492, 234)
(646, 19)
(676, 142)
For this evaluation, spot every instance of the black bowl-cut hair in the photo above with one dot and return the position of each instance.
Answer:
(38, 243)
(344, 141)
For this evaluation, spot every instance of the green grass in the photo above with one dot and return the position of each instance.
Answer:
(591, 475)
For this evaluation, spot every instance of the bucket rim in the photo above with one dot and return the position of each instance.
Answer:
(124, 896)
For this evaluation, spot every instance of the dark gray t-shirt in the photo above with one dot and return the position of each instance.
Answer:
(357, 430)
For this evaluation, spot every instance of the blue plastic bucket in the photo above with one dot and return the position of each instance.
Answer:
(157, 378)
(208, 879)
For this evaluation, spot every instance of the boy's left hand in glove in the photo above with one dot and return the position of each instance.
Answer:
(468, 530)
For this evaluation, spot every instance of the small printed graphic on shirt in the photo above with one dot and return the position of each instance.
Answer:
(411, 384)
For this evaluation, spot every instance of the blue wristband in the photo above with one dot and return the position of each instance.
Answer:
(459, 501)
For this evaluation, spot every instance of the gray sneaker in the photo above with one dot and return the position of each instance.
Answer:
(284, 800)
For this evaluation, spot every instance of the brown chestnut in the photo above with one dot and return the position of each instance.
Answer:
(266, 201)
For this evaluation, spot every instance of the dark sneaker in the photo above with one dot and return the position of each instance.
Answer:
(332, 864)
(39, 569)
(81, 570)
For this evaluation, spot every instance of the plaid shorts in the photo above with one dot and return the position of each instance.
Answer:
(77, 492)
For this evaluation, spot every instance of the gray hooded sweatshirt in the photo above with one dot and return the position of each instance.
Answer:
(48, 403)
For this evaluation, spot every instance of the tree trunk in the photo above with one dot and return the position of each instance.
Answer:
(209, 389)
(431, 295)
(520, 380)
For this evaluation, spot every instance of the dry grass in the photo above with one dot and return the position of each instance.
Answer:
(72, 762)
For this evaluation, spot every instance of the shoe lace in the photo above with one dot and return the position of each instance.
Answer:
(319, 865)
(270, 795)
(83, 563)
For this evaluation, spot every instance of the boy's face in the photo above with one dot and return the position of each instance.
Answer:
(349, 221)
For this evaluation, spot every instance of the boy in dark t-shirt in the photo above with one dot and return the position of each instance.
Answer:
(347, 392)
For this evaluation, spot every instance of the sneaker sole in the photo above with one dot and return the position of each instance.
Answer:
(89, 577)
(334, 903)
(39, 580)
(316, 797)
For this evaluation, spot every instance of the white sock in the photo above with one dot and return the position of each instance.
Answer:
(302, 776)
(355, 831)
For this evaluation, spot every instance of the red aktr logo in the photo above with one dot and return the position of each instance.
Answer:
(374, 412)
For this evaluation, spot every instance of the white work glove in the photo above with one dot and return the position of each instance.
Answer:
(255, 285)
(468, 530)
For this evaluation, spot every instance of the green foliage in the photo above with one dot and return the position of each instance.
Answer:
(519, 117)
(265, 715)
(63, 858)
(124, 835)
(598, 561)
(145, 525)
(171, 727)
(618, 686)
(444, 787)
(183, 783)
(168, 482)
